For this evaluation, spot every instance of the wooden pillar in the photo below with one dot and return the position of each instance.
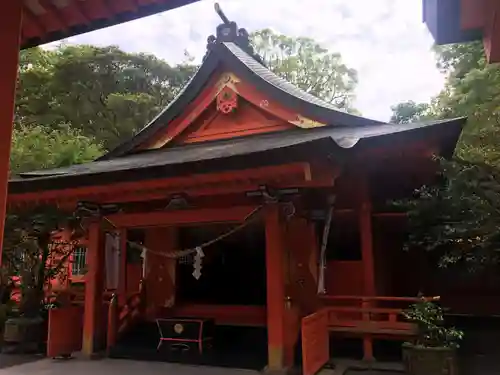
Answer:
(10, 35)
(122, 278)
(94, 283)
(491, 29)
(302, 243)
(160, 273)
(275, 273)
(301, 286)
(365, 227)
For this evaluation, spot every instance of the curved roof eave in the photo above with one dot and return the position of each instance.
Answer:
(446, 132)
(246, 67)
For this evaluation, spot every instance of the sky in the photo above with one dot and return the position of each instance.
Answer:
(384, 40)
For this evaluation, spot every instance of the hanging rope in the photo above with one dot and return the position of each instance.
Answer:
(185, 252)
(324, 243)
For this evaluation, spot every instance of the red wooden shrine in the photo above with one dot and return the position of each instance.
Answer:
(246, 158)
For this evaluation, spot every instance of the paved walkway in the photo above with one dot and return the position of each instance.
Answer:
(115, 367)
(9, 360)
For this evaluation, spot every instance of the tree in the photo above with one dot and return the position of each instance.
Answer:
(472, 90)
(459, 216)
(309, 66)
(409, 111)
(38, 148)
(104, 92)
(37, 250)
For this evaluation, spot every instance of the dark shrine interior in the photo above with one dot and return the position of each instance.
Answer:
(233, 269)
(233, 273)
(344, 241)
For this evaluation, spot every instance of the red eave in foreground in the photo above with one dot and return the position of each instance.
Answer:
(46, 21)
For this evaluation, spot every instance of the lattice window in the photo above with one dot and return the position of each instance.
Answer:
(79, 261)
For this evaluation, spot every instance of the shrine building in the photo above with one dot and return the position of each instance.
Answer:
(247, 204)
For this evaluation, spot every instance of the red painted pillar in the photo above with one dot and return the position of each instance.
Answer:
(94, 284)
(365, 226)
(122, 283)
(301, 286)
(10, 36)
(491, 29)
(275, 271)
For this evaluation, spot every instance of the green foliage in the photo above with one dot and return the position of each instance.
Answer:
(432, 333)
(460, 215)
(457, 60)
(472, 90)
(407, 112)
(303, 62)
(104, 92)
(39, 148)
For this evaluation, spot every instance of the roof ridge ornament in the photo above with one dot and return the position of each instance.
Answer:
(228, 31)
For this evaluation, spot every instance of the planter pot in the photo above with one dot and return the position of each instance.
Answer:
(429, 361)
(23, 334)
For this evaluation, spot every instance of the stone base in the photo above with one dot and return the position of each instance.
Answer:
(429, 361)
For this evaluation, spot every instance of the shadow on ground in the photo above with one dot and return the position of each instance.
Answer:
(479, 352)
(9, 360)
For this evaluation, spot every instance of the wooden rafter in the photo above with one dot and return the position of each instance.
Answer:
(65, 18)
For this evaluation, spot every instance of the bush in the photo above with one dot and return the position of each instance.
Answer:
(432, 333)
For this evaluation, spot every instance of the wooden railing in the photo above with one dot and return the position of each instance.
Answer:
(373, 320)
(120, 319)
(370, 317)
(74, 296)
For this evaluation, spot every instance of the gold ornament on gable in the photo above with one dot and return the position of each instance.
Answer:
(306, 123)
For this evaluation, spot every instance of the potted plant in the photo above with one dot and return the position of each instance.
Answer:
(433, 352)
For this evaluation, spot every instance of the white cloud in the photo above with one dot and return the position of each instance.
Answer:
(385, 40)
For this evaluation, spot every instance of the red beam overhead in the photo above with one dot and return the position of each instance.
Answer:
(460, 21)
(50, 20)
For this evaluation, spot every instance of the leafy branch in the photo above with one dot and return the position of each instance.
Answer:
(459, 216)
